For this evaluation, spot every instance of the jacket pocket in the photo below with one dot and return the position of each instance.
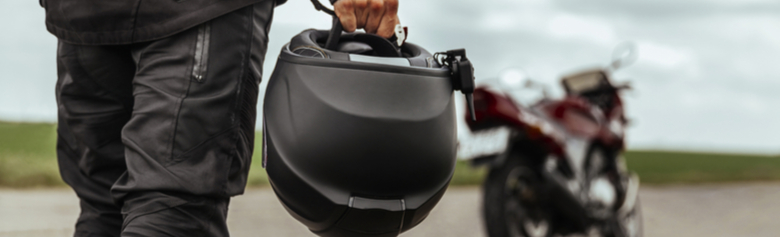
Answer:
(200, 64)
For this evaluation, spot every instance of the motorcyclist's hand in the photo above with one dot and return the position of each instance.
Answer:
(375, 16)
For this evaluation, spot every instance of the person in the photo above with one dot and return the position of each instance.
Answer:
(157, 106)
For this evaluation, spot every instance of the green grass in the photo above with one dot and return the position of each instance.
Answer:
(27, 155)
(28, 159)
(664, 167)
(257, 177)
(673, 167)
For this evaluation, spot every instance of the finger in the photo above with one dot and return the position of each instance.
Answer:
(389, 19)
(361, 13)
(376, 9)
(345, 10)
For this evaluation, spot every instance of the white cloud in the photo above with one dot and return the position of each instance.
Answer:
(499, 21)
(706, 72)
(663, 56)
(579, 27)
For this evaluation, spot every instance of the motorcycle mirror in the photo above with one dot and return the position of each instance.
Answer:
(624, 86)
(512, 77)
(531, 84)
(624, 55)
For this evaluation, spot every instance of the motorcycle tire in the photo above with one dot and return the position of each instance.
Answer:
(504, 215)
(629, 225)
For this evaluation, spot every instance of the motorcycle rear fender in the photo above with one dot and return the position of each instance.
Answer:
(492, 110)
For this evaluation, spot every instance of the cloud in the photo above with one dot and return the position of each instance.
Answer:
(579, 27)
(706, 74)
(669, 9)
(665, 57)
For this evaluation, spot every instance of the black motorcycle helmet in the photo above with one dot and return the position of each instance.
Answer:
(359, 135)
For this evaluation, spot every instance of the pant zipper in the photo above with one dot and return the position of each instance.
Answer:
(201, 52)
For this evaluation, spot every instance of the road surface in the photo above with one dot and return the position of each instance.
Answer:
(743, 209)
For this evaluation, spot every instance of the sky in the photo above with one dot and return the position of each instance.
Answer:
(706, 78)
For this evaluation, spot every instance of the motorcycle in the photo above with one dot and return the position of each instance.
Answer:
(555, 166)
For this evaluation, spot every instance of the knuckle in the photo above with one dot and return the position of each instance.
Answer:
(347, 4)
(361, 4)
(377, 5)
(349, 26)
(392, 4)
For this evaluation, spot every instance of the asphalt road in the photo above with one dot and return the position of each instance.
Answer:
(745, 209)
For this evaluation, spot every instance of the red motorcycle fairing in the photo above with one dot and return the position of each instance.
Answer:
(493, 110)
(581, 119)
(572, 116)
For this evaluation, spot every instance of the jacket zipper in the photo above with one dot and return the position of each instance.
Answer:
(201, 52)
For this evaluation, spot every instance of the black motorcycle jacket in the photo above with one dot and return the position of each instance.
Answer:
(101, 22)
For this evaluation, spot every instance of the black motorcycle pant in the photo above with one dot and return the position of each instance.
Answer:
(155, 137)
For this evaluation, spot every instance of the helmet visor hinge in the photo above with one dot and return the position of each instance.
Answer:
(461, 74)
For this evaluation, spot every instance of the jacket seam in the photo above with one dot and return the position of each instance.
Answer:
(235, 121)
(135, 19)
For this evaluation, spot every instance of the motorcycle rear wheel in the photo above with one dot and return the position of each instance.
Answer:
(629, 224)
(633, 223)
(507, 192)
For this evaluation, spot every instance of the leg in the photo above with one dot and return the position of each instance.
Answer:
(189, 140)
(94, 100)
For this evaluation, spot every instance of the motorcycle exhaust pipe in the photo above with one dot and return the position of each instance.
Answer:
(562, 198)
